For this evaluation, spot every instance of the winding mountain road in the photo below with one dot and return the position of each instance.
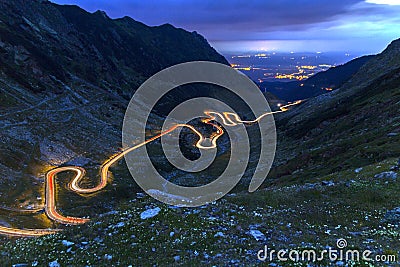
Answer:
(228, 119)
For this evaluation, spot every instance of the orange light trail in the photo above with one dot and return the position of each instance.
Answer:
(228, 119)
(26, 232)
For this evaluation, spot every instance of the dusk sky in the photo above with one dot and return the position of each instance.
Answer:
(357, 26)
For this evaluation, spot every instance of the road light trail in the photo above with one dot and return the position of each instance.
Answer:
(50, 207)
(227, 121)
(227, 118)
(26, 232)
(22, 210)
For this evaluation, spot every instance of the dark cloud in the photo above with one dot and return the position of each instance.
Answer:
(326, 24)
(220, 19)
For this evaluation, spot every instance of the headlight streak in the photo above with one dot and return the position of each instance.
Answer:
(228, 119)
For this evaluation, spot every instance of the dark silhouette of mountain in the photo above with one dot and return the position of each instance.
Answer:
(66, 42)
(66, 76)
(318, 84)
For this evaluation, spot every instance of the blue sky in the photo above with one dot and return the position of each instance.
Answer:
(356, 26)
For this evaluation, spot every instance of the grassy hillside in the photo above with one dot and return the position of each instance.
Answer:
(352, 205)
(65, 78)
(354, 126)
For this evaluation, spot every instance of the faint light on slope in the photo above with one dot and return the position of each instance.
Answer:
(384, 2)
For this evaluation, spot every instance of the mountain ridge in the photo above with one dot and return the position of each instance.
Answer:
(66, 76)
(355, 125)
(118, 52)
(334, 175)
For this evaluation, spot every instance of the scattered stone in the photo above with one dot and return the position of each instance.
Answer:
(328, 232)
(394, 168)
(219, 234)
(120, 224)
(149, 213)
(140, 195)
(327, 183)
(54, 264)
(393, 216)
(358, 170)
(67, 243)
(113, 212)
(169, 197)
(258, 235)
(386, 175)
(310, 185)
(349, 183)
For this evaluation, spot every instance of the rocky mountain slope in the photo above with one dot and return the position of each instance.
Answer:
(355, 125)
(66, 77)
(360, 208)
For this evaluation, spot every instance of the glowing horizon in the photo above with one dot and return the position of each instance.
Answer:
(362, 26)
(384, 2)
